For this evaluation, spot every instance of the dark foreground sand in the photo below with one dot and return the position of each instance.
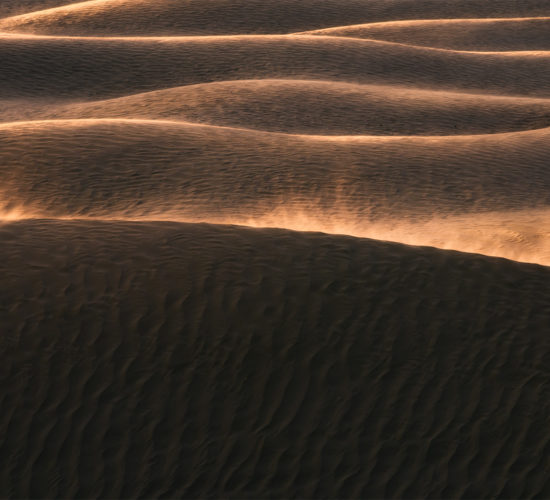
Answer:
(173, 323)
(195, 360)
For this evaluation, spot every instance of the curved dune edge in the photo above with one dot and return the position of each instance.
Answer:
(165, 185)
(518, 236)
(142, 168)
(267, 37)
(60, 124)
(102, 69)
(309, 107)
(303, 340)
(479, 35)
(243, 261)
(245, 16)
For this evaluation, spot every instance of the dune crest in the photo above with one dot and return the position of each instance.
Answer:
(520, 236)
(150, 167)
(175, 17)
(485, 196)
(66, 68)
(486, 35)
(274, 249)
(310, 107)
(337, 351)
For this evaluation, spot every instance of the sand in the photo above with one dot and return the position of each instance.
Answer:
(92, 68)
(492, 35)
(259, 249)
(223, 17)
(124, 382)
(312, 107)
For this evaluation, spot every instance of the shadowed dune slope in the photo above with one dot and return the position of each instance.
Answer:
(202, 361)
(459, 34)
(10, 8)
(189, 304)
(311, 107)
(521, 235)
(174, 169)
(206, 17)
(103, 68)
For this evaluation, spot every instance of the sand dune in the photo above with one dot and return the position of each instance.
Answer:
(9, 8)
(482, 194)
(523, 236)
(310, 107)
(459, 34)
(172, 322)
(155, 169)
(171, 17)
(99, 68)
(115, 333)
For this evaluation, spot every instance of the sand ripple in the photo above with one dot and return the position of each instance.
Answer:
(344, 368)
(171, 325)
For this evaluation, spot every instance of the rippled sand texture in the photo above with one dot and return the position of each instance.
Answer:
(165, 359)
(173, 322)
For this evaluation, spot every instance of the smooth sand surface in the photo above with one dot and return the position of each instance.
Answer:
(241, 244)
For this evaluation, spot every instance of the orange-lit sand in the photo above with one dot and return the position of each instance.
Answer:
(488, 35)
(274, 248)
(466, 192)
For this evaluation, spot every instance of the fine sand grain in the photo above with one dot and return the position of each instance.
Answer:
(309, 107)
(344, 367)
(94, 68)
(497, 35)
(235, 17)
(274, 249)
(133, 168)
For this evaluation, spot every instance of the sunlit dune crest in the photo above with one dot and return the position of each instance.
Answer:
(274, 248)
(479, 35)
(521, 236)
(312, 107)
(354, 38)
(15, 214)
(414, 190)
(105, 17)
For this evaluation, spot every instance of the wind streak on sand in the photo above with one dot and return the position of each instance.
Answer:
(397, 188)
(172, 322)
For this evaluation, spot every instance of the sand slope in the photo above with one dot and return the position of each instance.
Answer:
(149, 347)
(99, 68)
(9, 8)
(151, 168)
(459, 34)
(119, 381)
(191, 17)
(311, 107)
(465, 192)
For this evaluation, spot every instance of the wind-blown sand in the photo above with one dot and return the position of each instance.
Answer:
(217, 230)
(138, 167)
